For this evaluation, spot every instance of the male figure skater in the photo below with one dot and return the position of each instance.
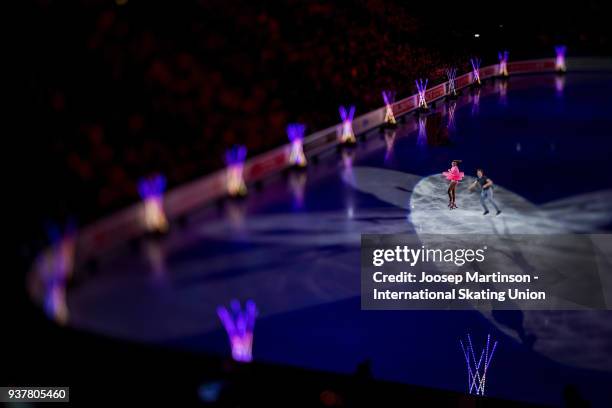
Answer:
(486, 191)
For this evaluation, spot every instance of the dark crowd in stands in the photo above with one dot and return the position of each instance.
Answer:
(120, 89)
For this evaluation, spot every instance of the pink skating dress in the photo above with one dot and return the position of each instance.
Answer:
(453, 174)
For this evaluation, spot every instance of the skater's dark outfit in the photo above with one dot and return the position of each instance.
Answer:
(486, 191)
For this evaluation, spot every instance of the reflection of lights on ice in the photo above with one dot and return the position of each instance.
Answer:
(421, 88)
(518, 147)
(345, 131)
(234, 159)
(348, 176)
(151, 191)
(475, 70)
(239, 325)
(389, 142)
(502, 88)
(476, 102)
(389, 98)
(235, 213)
(347, 165)
(503, 63)
(559, 84)
(55, 268)
(295, 132)
(209, 392)
(452, 106)
(451, 74)
(560, 60)
(156, 258)
(422, 136)
(477, 367)
(297, 185)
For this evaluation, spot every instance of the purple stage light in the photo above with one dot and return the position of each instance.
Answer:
(560, 60)
(345, 132)
(153, 186)
(477, 367)
(295, 132)
(503, 63)
(151, 190)
(389, 98)
(239, 325)
(421, 88)
(475, 70)
(451, 74)
(235, 155)
(234, 159)
(55, 267)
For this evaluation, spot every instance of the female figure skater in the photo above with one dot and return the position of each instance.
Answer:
(454, 176)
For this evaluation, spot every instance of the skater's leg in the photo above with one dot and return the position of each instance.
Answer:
(490, 197)
(451, 194)
(483, 197)
(453, 188)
